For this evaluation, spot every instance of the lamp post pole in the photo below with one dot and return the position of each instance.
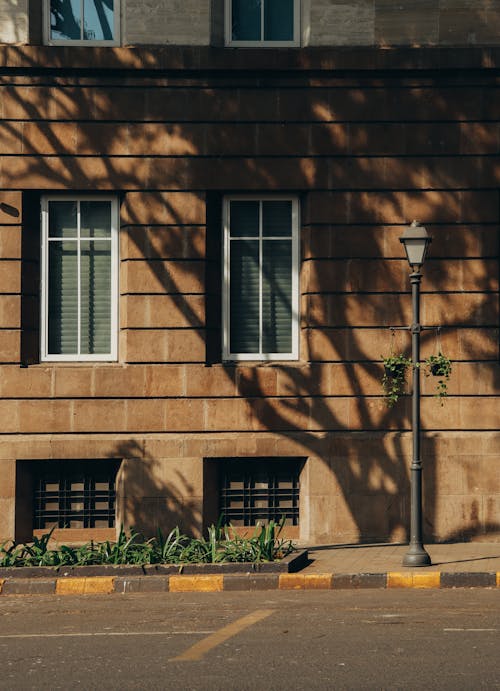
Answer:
(416, 240)
(416, 555)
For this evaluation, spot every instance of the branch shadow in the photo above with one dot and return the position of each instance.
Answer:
(67, 133)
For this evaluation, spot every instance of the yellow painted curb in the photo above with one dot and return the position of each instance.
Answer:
(396, 579)
(85, 586)
(291, 581)
(399, 580)
(200, 584)
(2, 581)
(430, 579)
(318, 581)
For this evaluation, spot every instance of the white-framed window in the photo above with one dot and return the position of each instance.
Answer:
(79, 278)
(260, 278)
(82, 22)
(262, 23)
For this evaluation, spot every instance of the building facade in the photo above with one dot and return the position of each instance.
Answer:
(200, 212)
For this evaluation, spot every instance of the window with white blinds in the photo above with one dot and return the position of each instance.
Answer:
(261, 284)
(262, 22)
(79, 278)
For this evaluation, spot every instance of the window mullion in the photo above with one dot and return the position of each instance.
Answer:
(82, 21)
(261, 324)
(262, 15)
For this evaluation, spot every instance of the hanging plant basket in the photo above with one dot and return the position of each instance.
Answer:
(394, 379)
(439, 366)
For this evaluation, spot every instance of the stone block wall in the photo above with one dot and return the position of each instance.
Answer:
(366, 154)
(14, 21)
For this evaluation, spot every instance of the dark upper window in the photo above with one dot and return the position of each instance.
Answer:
(82, 22)
(262, 22)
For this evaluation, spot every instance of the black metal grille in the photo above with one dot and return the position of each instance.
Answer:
(75, 494)
(259, 490)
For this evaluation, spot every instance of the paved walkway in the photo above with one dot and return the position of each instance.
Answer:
(450, 558)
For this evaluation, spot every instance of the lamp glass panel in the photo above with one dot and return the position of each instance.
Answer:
(415, 250)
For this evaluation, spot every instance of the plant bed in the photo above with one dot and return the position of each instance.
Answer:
(291, 564)
(222, 551)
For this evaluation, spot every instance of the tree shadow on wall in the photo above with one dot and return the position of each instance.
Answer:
(152, 498)
(366, 156)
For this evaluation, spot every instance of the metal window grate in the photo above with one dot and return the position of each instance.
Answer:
(75, 494)
(259, 490)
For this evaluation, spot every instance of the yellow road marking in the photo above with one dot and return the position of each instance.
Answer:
(198, 650)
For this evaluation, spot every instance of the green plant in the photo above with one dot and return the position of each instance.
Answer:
(439, 366)
(394, 379)
(222, 544)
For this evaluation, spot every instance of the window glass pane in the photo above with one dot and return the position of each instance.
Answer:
(277, 296)
(244, 219)
(95, 297)
(63, 298)
(98, 20)
(95, 219)
(245, 16)
(244, 297)
(278, 20)
(277, 219)
(62, 220)
(65, 19)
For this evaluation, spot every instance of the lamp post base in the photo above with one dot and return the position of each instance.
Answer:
(417, 556)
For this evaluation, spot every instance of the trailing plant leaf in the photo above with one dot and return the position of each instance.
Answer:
(394, 378)
(439, 366)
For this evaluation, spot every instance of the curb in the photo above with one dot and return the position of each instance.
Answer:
(211, 583)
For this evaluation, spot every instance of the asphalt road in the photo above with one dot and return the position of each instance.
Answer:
(276, 640)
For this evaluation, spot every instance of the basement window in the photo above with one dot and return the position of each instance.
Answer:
(74, 494)
(259, 490)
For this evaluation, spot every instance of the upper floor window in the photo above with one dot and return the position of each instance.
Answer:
(82, 22)
(261, 278)
(262, 22)
(79, 298)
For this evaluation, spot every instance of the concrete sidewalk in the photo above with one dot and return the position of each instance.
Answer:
(459, 557)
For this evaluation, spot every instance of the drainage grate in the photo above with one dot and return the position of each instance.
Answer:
(75, 494)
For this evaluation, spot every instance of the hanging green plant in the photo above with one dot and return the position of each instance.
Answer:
(439, 366)
(394, 379)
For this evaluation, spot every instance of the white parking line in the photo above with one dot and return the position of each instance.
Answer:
(106, 633)
(474, 630)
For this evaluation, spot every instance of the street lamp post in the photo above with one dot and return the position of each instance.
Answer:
(416, 241)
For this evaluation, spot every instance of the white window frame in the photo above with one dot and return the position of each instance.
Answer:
(227, 355)
(44, 287)
(262, 43)
(81, 42)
